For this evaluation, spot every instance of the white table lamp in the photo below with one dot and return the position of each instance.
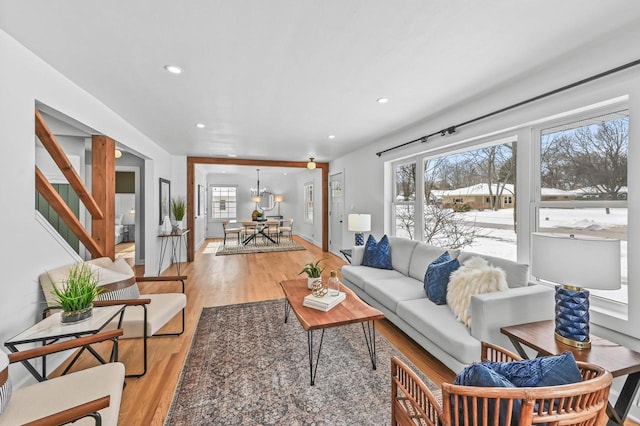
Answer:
(359, 223)
(575, 262)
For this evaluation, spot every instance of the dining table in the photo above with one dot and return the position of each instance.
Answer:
(253, 228)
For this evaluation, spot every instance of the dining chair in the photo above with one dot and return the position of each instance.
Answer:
(288, 228)
(237, 230)
(250, 228)
(273, 229)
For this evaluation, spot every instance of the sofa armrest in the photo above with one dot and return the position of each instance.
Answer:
(491, 311)
(357, 253)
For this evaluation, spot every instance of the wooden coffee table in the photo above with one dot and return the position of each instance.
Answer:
(611, 356)
(351, 310)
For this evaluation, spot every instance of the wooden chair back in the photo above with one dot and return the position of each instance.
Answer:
(579, 404)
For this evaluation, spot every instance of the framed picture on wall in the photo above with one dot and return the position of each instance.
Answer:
(165, 199)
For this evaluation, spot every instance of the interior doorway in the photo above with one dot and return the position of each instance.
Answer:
(336, 212)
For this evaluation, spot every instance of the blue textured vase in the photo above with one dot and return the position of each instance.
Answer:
(359, 239)
(572, 317)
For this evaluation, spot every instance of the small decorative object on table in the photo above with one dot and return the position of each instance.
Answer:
(334, 284)
(318, 289)
(179, 209)
(313, 271)
(76, 295)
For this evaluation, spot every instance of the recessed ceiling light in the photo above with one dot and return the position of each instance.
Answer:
(285, 174)
(231, 155)
(200, 125)
(382, 100)
(332, 136)
(173, 69)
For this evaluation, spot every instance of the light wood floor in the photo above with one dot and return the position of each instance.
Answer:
(223, 280)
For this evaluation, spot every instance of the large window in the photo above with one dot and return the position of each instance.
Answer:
(583, 182)
(467, 201)
(223, 202)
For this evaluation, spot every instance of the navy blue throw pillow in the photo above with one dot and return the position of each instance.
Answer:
(436, 278)
(481, 375)
(544, 371)
(377, 255)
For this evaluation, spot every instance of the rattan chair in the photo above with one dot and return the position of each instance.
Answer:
(583, 403)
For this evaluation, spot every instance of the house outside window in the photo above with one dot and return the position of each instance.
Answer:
(223, 202)
(582, 182)
(456, 201)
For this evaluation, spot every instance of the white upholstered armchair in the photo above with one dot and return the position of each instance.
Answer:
(144, 315)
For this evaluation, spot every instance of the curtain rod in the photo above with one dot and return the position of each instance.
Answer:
(452, 129)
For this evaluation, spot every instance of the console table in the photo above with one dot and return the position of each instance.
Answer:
(177, 239)
(611, 356)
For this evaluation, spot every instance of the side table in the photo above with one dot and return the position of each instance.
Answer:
(611, 356)
(51, 330)
(177, 239)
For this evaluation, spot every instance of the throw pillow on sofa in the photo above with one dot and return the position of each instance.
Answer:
(475, 276)
(437, 277)
(377, 254)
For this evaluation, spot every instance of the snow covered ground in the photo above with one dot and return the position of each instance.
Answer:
(496, 236)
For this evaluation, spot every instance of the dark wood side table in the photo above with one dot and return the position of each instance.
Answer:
(611, 356)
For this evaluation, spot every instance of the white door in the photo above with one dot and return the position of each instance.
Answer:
(336, 212)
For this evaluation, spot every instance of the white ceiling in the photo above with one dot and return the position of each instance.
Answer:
(273, 79)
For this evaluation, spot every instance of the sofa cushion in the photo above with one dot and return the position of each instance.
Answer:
(357, 275)
(475, 276)
(377, 254)
(437, 278)
(517, 273)
(402, 251)
(389, 292)
(437, 323)
(423, 256)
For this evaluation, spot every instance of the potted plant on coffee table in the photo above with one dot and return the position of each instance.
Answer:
(313, 271)
(75, 296)
(179, 209)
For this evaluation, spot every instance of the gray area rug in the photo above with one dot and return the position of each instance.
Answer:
(247, 367)
(260, 246)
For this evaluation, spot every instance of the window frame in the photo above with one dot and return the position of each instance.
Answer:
(308, 202)
(608, 307)
(233, 204)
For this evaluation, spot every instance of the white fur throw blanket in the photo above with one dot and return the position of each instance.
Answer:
(475, 276)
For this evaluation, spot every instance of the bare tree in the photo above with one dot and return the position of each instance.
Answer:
(445, 228)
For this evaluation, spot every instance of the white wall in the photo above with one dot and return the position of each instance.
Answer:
(365, 172)
(29, 249)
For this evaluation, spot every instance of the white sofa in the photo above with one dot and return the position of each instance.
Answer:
(399, 294)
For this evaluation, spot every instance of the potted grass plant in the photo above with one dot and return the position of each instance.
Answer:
(179, 209)
(76, 295)
(313, 271)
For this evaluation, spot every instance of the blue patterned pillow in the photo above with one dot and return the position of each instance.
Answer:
(437, 277)
(481, 375)
(544, 371)
(377, 255)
